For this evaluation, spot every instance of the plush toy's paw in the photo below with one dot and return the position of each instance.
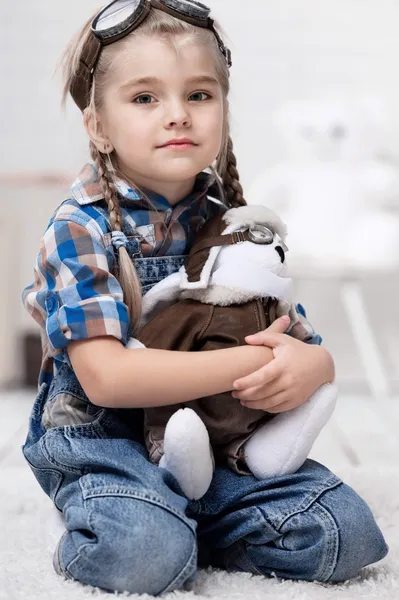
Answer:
(133, 344)
(283, 444)
(187, 453)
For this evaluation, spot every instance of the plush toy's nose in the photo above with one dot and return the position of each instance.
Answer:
(281, 253)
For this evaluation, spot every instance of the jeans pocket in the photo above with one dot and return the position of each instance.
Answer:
(68, 409)
(70, 447)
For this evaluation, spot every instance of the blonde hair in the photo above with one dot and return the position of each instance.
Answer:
(226, 174)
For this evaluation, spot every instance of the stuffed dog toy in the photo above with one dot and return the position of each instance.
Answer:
(234, 283)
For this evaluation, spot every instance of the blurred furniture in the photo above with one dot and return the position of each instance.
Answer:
(366, 343)
(9, 237)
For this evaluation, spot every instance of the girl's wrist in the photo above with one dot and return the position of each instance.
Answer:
(328, 367)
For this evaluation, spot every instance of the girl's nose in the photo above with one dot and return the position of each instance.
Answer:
(177, 117)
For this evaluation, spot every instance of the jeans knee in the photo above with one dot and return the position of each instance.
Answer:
(360, 540)
(137, 546)
(332, 540)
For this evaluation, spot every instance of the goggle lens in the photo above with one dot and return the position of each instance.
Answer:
(116, 13)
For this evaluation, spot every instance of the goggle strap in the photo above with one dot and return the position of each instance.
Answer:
(224, 50)
(237, 237)
(177, 14)
(92, 53)
(81, 84)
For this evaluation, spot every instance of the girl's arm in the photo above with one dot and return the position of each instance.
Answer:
(115, 377)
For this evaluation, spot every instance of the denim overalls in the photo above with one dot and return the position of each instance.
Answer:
(130, 528)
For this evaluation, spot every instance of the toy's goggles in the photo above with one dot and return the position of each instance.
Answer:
(258, 234)
(121, 17)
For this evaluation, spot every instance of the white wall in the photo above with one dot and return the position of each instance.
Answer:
(282, 50)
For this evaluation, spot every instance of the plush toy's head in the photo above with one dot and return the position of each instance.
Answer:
(243, 250)
(248, 236)
(237, 256)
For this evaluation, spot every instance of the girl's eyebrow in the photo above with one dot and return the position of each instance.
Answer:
(154, 81)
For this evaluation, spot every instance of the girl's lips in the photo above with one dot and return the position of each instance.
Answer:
(179, 143)
(184, 146)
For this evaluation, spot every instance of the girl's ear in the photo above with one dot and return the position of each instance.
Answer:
(96, 133)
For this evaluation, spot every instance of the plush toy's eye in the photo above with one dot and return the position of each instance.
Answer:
(281, 253)
(261, 235)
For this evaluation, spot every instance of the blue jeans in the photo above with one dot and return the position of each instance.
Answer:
(130, 528)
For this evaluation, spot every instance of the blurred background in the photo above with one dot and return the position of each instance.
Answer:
(315, 122)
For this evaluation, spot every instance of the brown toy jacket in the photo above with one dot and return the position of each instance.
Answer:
(193, 326)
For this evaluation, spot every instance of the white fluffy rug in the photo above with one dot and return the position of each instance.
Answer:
(26, 571)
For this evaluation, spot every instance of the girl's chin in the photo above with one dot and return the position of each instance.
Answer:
(179, 173)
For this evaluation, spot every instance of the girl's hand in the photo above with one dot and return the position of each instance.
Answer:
(297, 371)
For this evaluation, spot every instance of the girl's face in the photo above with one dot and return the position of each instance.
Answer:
(156, 95)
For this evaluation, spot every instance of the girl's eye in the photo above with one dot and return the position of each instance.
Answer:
(144, 99)
(199, 96)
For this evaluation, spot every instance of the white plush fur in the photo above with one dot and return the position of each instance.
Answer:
(283, 444)
(235, 282)
(187, 453)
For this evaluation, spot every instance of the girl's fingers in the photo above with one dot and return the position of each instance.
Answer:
(283, 407)
(266, 338)
(278, 326)
(259, 378)
(272, 405)
(261, 392)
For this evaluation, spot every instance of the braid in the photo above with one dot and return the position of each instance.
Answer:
(108, 188)
(231, 179)
(127, 274)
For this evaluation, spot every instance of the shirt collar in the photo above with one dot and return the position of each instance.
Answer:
(86, 189)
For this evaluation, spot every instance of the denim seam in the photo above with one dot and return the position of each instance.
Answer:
(71, 391)
(239, 550)
(52, 461)
(151, 499)
(330, 529)
(309, 500)
(42, 396)
(88, 544)
(332, 544)
(242, 552)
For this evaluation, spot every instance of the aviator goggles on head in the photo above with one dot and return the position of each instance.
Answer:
(121, 17)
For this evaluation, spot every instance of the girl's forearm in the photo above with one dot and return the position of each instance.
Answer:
(147, 377)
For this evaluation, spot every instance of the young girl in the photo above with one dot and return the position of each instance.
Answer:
(152, 81)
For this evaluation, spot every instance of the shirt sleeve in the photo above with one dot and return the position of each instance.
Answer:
(74, 295)
(300, 327)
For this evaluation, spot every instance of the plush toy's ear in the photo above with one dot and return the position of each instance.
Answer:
(197, 269)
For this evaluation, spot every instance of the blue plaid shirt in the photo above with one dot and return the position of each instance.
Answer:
(75, 294)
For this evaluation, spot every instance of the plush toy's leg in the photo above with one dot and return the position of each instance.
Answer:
(283, 444)
(188, 453)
